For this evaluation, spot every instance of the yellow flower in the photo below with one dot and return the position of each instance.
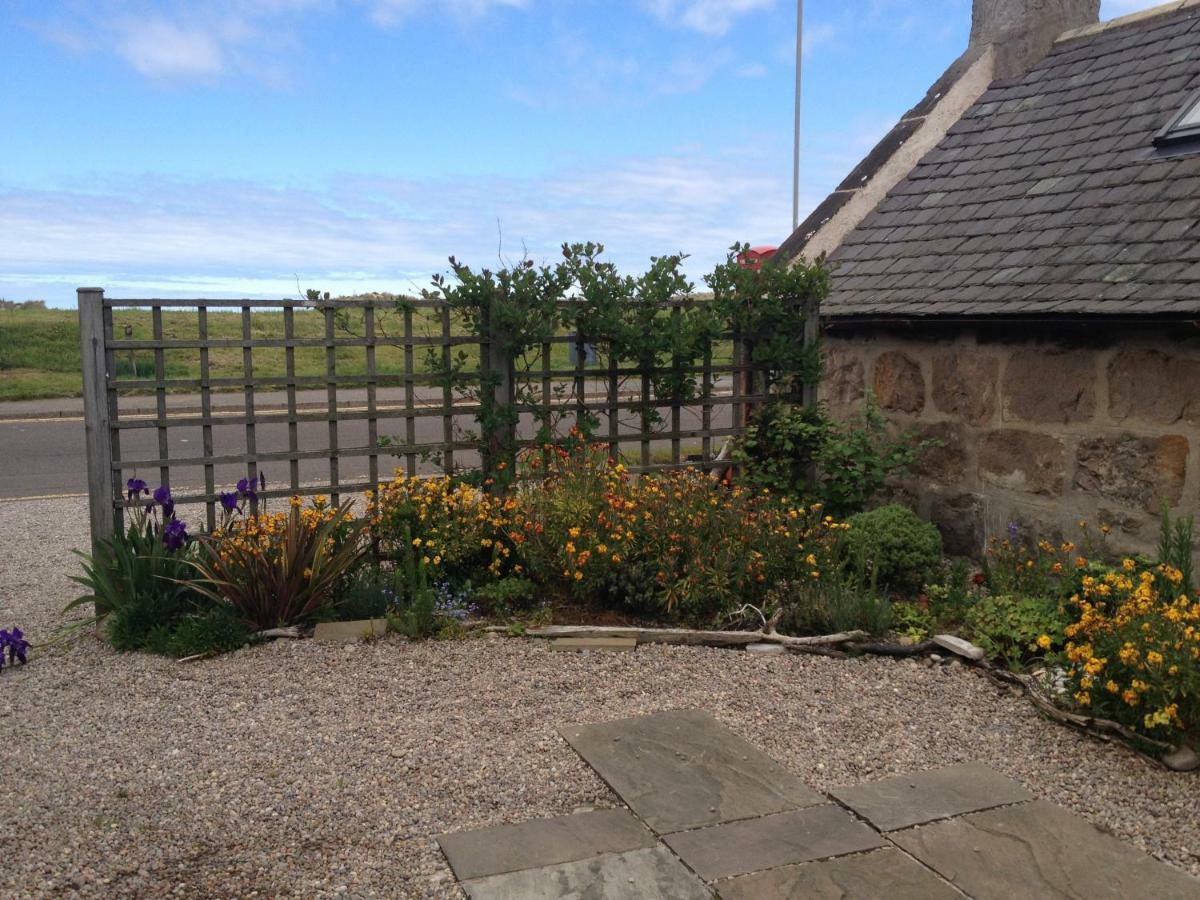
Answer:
(574, 532)
(1044, 641)
(578, 575)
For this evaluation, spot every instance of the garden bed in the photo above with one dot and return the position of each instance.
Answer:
(308, 768)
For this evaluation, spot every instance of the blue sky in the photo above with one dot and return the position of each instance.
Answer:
(242, 147)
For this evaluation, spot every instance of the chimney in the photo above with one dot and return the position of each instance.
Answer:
(1022, 31)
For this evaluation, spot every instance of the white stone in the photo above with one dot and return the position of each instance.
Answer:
(1182, 759)
(957, 645)
(765, 647)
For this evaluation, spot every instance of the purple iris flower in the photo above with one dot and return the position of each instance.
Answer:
(229, 500)
(17, 646)
(175, 534)
(135, 487)
(1013, 530)
(162, 496)
(246, 487)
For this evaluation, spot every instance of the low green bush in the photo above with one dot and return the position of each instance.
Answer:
(904, 550)
(1008, 628)
(801, 452)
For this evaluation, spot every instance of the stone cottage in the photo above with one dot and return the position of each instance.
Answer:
(1017, 274)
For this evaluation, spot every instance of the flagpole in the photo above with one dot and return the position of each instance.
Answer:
(796, 132)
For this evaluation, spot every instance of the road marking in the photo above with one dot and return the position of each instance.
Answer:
(44, 497)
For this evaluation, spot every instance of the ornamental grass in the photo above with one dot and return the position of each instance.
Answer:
(280, 568)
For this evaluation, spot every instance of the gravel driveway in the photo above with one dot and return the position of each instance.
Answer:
(315, 770)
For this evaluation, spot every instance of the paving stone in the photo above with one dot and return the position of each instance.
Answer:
(542, 842)
(737, 848)
(938, 794)
(348, 632)
(867, 876)
(682, 769)
(611, 643)
(635, 875)
(1040, 850)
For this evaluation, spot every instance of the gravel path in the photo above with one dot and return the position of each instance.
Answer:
(302, 769)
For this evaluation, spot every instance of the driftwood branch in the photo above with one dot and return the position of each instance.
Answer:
(1105, 729)
(819, 644)
(896, 649)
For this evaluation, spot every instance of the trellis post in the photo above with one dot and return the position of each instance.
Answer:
(95, 356)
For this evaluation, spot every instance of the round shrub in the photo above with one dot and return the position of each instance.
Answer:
(904, 551)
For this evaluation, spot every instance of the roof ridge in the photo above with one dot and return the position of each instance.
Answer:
(1129, 19)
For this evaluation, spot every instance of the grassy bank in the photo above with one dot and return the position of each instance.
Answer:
(39, 348)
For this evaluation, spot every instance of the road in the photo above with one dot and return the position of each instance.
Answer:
(43, 454)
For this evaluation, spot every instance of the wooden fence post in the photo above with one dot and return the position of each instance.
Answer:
(96, 419)
(496, 383)
(812, 337)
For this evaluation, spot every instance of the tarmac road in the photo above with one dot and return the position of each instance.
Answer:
(42, 445)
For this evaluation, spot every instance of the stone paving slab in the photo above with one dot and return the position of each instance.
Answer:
(1037, 850)
(542, 842)
(349, 632)
(927, 796)
(682, 769)
(876, 875)
(636, 875)
(738, 848)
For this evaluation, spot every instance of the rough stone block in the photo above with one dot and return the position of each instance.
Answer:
(1153, 386)
(620, 876)
(1039, 850)
(899, 384)
(843, 384)
(1023, 461)
(1050, 385)
(1138, 471)
(965, 384)
(755, 844)
(349, 632)
(908, 800)
(959, 517)
(880, 873)
(946, 460)
(681, 769)
(542, 842)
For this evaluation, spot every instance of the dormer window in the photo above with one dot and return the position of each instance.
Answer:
(1183, 131)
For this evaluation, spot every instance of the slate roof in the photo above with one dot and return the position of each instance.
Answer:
(1047, 197)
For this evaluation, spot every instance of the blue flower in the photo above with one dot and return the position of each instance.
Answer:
(246, 487)
(175, 534)
(162, 496)
(17, 646)
(135, 487)
(229, 500)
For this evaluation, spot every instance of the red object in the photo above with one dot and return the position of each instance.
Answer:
(756, 256)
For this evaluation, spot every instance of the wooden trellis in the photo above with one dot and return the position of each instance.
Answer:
(424, 424)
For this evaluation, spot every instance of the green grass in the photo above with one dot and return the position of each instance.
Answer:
(39, 348)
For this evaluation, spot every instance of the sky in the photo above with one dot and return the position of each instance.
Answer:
(259, 148)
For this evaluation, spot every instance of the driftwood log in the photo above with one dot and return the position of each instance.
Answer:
(819, 644)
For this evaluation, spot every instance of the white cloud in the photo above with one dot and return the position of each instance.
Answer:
(712, 17)
(208, 39)
(160, 48)
(229, 237)
(392, 12)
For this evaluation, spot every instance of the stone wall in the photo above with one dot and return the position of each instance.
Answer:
(1040, 424)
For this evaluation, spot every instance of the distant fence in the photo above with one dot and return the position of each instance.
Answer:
(391, 406)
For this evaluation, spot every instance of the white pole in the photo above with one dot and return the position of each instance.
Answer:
(796, 135)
